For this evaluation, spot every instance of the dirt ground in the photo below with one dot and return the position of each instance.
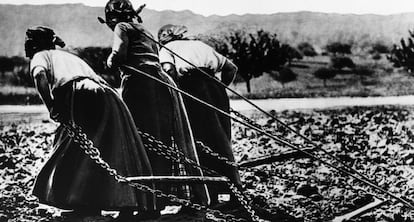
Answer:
(377, 141)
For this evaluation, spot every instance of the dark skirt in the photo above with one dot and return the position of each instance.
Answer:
(160, 111)
(70, 179)
(209, 126)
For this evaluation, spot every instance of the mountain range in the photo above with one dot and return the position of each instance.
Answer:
(77, 24)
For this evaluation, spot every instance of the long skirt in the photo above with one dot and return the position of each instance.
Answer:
(160, 111)
(71, 179)
(209, 126)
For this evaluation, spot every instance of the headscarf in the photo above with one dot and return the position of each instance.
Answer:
(170, 32)
(120, 11)
(41, 38)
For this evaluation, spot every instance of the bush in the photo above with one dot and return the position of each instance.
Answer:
(337, 47)
(15, 71)
(325, 74)
(96, 58)
(284, 75)
(376, 56)
(363, 71)
(379, 47)
(340, 62)
(307, 49)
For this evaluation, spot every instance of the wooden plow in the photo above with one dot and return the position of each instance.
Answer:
(359, 212)
(178, 179)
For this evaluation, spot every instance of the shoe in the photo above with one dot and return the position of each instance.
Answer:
(125, 217)
(147, 215)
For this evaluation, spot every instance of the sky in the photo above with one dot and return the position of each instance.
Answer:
(226, 7)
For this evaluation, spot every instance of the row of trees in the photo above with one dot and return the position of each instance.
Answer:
(254, 54)
(261, 52)
(94, 56)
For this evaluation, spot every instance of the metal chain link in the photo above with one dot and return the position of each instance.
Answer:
(168, 152)
(80, 138)
(209, 151)
(244, 201)
(246, 119)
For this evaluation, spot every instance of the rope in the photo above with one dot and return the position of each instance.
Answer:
(281, 141)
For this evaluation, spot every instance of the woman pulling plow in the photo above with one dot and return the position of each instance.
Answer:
(72, 92)
(155, 109)
(210, 127)
(70, 180)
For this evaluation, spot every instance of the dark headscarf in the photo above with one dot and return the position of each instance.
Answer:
(170, 32)
(120, 11)
(41, 38)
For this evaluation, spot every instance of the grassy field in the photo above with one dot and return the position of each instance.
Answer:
(386, 81)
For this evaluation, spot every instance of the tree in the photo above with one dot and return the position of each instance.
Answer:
(403, 56)
(307, 49)
(284, 75)
(6, 64)
(376, 56)
(339, 48)
(325, 74)
(19, 67)
(340, 62)
(290, 53)
(21, 71)
(363, 71)
(96, 58)
(378, 48)
(254, 53)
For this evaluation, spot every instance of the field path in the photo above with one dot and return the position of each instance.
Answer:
(320, 103)
(240, 105)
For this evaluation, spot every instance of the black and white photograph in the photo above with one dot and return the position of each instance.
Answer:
(206, 111)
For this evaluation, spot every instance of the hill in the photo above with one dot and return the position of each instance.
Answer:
(78, 26)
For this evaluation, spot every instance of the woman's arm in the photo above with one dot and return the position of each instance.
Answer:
(119, 48)
(228, 72)
(42, 86)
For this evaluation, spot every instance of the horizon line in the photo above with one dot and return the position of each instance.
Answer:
(223, 15)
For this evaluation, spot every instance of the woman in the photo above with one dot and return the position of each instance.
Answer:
(209, 127)
(156, 109)
(72, 92)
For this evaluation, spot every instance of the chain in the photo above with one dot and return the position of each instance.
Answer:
(244, 201)
(209, 151)
(246, 119)
(168, 152)
(80, 138)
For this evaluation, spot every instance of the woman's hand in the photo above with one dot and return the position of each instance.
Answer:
(111, 59)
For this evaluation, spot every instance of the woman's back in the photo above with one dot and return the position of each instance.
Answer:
(62, 67)
(140, 49)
